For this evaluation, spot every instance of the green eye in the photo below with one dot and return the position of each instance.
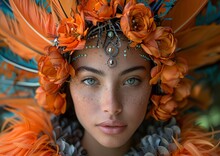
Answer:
(90, 81)
(132, 82)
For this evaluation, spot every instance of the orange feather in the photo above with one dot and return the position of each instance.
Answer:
(37, 25)
(195, 141)
(18, 101)
(21, 134)
(199, 45)
(12, 34)
(62, 8)
(183, 14)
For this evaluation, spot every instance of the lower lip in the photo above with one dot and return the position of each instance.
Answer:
(112, 130)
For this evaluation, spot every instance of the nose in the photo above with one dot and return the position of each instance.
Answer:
(111, 103)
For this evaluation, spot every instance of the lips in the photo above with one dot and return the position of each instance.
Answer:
(112, 127)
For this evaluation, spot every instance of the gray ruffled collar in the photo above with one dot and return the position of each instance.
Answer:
(153, 138)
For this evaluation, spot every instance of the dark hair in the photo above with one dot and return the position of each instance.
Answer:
(70, 111)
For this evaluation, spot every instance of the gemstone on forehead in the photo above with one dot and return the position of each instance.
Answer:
(125, 53)
(110, 34)
(111, 62)
(110, 50)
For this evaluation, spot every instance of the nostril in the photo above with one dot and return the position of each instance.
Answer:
(113, 110)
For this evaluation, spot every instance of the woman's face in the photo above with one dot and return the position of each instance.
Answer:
(110, 103)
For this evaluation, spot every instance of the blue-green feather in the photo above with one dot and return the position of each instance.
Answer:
(212, 14)
(210, 74)
(5, 7)
(44, 4)
(8, 56)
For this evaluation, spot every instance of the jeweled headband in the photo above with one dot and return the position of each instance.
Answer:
(137, 23)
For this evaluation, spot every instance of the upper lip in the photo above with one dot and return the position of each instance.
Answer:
(112, 123)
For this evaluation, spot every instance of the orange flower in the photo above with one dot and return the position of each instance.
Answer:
(156, 73)
(71, 31)
(55, 103)
(137, 22)
(169, 75)
(166, 41)
(53, 70)
(182, 90)
(149, 45)
(41, 97)
(161, 44)
(164, 107)
(49, 87)
(98, 10)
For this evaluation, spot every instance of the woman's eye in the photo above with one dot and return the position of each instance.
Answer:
(90, 81)
(132, 82)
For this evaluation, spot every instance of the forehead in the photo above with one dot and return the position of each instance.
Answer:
(98, 57)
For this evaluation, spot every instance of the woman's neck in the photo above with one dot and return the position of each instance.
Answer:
(95, 149)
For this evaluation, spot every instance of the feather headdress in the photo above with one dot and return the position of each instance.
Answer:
(27, 32)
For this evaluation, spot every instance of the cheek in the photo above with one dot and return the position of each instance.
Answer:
(136, 104)
(84, 103)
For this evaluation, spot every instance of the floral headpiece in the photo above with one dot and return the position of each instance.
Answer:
(137, 23)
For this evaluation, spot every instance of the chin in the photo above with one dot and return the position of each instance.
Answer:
(113, 141)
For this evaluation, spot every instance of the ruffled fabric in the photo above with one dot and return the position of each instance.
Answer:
(67, 136)
(158, 140)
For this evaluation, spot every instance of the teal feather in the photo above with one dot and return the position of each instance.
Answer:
(212, 14)
(8, 56)
(4, 114)
(5, 7)
(145, 2)
(44, 4)
(11, 85)
(168, 6)
(210, 74)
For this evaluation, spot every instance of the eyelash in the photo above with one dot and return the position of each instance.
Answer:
(135, 82)
(86, 81)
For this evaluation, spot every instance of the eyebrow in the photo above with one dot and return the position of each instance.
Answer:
(132, 69)
(90, 69)
(99, 72)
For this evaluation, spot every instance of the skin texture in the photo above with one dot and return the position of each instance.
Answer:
(103, 94)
